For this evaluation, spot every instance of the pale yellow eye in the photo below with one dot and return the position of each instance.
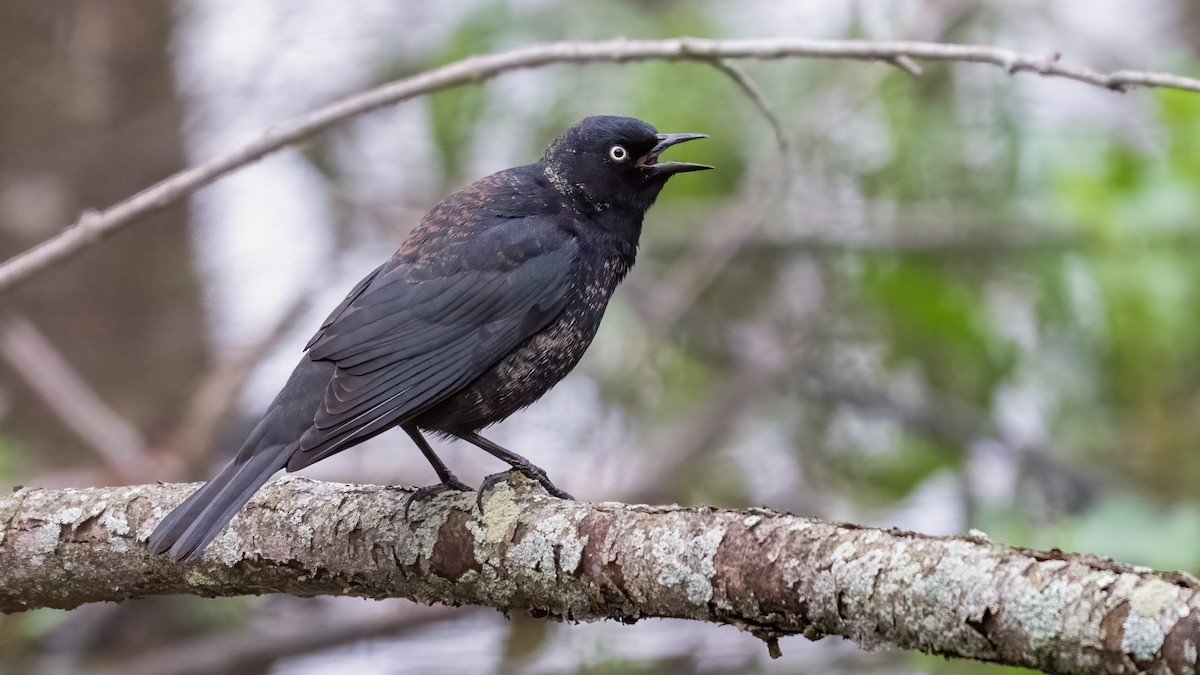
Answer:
(618, 153)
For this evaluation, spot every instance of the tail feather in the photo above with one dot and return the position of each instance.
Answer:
(187, 530)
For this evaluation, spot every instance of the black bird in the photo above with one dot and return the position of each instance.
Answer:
(491, 300)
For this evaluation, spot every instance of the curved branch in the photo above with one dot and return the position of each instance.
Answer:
(752, 92)
(769, 573)
(94, 225)
(241, 651)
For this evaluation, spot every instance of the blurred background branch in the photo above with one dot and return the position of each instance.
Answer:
(94, 225)
(43, 368)
(244, 651)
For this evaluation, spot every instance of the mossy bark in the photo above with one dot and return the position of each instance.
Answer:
(770, 573)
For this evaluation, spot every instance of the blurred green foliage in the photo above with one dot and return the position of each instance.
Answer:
(1106, 329)
(10, 453)
(882, 479)
(1139, 208)
(938, 317)
(1119, 312)
(454, 114)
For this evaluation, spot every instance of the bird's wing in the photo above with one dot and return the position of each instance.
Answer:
(415, 334)
(345, 304)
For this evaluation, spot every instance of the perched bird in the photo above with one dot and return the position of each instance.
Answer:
(491, 300)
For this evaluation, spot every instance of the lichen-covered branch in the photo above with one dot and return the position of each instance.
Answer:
(94, 225)
(770, 573)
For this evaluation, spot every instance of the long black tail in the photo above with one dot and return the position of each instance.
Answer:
(197, 521)
(193, 524)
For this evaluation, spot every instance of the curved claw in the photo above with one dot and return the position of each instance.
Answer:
(430, 491)
(533, 473)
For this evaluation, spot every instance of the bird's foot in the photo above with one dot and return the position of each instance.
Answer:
(533, 473)
(428, 492)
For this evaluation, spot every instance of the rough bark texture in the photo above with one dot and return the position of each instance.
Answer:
(770, 573)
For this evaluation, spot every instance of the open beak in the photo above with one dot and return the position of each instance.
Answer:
(657, 168)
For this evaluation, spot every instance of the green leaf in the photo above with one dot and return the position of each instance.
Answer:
(455, 113)
(884, 477)
(936, 318)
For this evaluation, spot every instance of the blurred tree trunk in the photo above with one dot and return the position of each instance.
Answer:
(1189, 24)
(90, 116)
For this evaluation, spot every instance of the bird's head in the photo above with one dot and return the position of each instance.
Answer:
(614, 162)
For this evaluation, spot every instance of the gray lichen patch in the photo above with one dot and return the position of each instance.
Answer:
(199, 579)
(553, 547)
(501, 511)
(1143, 637)
(38, 542)
(1154, 608)
(857, 586)
(61, 518)
(73, 514)
(227, 549)
(419, 543)
(1038, 600)
(961, 579)
(283, 523)
(117, 524)
(686, 561)
(1152, 597)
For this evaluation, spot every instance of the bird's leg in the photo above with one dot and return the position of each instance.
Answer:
(448, 480)
(444, 474)
(518, 463)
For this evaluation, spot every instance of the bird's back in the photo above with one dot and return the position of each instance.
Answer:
(447, 238)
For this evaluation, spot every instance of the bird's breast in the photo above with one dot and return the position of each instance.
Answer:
(541, 361)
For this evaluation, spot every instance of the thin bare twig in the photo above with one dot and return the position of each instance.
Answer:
(117, 442)
(752, 92)
(93, 226)
(242, 651)
(907, 65)
(35, 359)
(969, 246)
